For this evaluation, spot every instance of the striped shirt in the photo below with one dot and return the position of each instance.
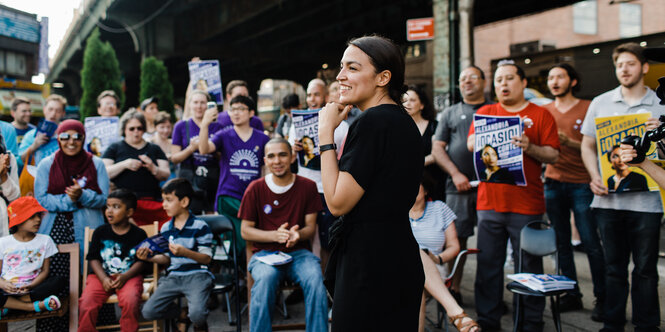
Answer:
(196, 236)
(429, 229)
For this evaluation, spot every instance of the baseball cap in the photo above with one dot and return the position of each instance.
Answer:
(148, 101)
(22, 209)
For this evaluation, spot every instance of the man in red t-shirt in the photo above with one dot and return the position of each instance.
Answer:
(503, 209)
(278, 213)
(567, 188)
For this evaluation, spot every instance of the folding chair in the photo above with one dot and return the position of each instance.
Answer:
(149, 283)
(228, 279)
(538, 239)
(69, 305)
(441, 320)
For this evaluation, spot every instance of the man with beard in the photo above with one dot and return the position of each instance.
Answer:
(627, 222)
(567, 188)
(278, 213)
(504, 209)
(450, 153)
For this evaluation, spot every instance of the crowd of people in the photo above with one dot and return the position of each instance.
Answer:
(335, 214)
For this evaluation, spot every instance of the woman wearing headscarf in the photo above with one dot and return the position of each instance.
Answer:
(72, 185)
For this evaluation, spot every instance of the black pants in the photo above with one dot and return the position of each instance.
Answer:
(51, 286)
(494, 229)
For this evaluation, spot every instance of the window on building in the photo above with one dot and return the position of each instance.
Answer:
(15, 64)
(585, 17)
(416, 50)
(630, 20)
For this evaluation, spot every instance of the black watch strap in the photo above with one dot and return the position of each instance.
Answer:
(327, 147)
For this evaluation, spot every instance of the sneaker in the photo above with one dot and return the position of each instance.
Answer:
(598, 313)
(570, 303)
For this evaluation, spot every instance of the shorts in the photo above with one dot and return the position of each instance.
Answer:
(464, 206)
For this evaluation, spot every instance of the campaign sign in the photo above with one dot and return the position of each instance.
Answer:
(496, 159)
(205, 76)
(101, 132)
(306, 125)
(617, 176)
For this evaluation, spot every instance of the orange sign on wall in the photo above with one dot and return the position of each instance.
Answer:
(420, 29)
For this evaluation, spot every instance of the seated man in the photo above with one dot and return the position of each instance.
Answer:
(278, 213)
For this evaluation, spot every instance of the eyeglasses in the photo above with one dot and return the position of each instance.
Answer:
(139, 128)
(108, 104)
(239, 109)
(470, 78)
(74, 136)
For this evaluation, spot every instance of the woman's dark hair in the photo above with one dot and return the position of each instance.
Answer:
(429, 184)
(428, 111)
(180, 187)
(609, 153)
(572, 74)
(247, 101)
(385, 55)
(131, 114)
(13, 229)
(126, 196)
(290, 101)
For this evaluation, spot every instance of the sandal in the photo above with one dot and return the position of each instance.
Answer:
(462, 325)
(46, 302)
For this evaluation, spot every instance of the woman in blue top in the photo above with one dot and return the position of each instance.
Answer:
(432, 223)
(72, 185)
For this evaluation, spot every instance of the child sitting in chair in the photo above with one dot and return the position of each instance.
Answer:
(190, 242)
(112, 259)
(25, 257)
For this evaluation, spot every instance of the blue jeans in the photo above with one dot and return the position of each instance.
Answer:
(624, 232)
(560, 198)
(305, 270)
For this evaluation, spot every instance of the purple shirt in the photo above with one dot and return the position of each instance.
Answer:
(241, 161)
(181, 138)
(225, 120)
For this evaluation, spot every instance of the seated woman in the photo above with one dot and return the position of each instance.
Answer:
(432, 223)
(139, 166)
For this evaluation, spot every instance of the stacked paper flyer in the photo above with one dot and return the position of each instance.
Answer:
(543, 282)
(273, 257)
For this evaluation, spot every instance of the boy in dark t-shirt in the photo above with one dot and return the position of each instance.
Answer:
(112, 258)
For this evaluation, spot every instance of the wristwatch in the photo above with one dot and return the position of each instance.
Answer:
(327, 147)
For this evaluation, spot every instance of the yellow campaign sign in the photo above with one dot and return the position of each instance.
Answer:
(617, 176)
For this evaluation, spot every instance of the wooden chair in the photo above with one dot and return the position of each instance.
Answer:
(68, 305)
(285, 286)
(149, 283)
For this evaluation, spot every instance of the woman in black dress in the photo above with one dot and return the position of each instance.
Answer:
(419, 107)
(375, 273)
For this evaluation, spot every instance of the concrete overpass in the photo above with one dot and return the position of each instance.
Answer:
(257, 39)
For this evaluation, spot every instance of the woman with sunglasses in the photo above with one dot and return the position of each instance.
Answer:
(139, 166)
(72, 185)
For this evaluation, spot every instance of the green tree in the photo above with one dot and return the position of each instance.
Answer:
(101, 71)
(155, 83)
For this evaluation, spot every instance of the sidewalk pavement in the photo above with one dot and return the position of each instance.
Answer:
(571, 321)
